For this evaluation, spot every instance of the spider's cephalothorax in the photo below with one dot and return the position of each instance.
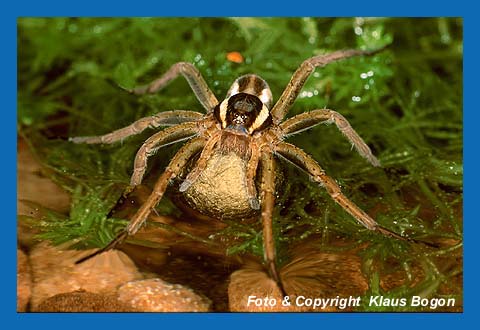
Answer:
(229, 143)
(246, 108)
(244, 113)
(253, 85)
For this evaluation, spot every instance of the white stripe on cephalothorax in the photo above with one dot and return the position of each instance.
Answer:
(266, 96)
(223, 112)
(262, 116)
(234, 89)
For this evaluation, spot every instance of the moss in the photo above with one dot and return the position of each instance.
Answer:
(405, 102)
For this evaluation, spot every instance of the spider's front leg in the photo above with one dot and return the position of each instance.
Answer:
(307, 120)
(173, 169)
(268, 204)
(301, 75)
(161, 139)
(302, 160)
(251, 172)
(167, 118)
(194, 78)
(201, 164)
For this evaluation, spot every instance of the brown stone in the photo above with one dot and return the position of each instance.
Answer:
(54, 271)
(311, 275)
(24, 281)
(156, 295)
(33, 186)
(82, 301)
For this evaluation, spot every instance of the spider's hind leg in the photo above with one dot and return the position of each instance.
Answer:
(173, 169)
(115, 242)
(301, 159)
(268, 204)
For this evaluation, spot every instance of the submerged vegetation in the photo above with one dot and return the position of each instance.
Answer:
(406, 103)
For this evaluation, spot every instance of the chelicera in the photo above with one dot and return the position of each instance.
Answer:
(246, 132)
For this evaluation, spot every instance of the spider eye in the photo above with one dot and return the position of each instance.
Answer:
(240, 119)
(244, 112)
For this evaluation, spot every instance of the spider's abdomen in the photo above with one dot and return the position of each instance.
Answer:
(220, 192)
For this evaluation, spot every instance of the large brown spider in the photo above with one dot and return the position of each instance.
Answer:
(243, 132)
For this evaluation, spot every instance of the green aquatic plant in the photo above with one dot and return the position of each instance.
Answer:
(406, 102)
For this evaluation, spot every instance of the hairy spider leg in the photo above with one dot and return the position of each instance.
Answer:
(301, 159)
(251, 173)
(301, 75)
(194, 78)
(161, 139)
(307, 120)
(201, 164)
(268, 203)
(174, 168)
(167, 118)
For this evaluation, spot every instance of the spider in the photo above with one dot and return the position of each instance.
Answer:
(243, 133)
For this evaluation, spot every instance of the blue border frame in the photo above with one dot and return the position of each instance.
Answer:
(235, 8)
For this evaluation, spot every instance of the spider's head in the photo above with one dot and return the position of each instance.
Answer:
(246, 107)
